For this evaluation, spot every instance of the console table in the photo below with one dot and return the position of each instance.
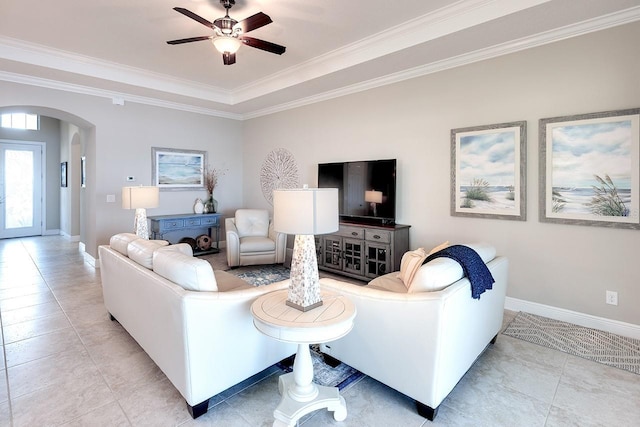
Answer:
(164, 224)
(332, 320)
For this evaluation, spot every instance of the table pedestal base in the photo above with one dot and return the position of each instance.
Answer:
(289, 411)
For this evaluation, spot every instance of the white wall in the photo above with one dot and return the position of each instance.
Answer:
(117, 141)
(563, 266)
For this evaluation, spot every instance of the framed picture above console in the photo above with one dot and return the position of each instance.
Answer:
(177, 169)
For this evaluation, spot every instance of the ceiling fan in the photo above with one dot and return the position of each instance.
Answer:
(229, 34)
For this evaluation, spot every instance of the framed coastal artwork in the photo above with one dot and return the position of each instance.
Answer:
(63, 174)
(589, 168)
(177, 169)
(488, 171)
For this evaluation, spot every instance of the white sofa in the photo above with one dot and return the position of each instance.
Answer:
(421, 343)
(195, 324)
(251, 239)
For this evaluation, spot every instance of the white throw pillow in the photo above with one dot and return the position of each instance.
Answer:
(120, 241)
(409, 265)
(441, 272)
(141, 251)
(191, 273)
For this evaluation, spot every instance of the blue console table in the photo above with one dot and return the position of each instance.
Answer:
(164, 224)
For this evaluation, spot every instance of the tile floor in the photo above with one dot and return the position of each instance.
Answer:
(65, 363)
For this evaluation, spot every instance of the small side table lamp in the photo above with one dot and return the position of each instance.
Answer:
(305, 212)
(373, 197)
(140, 198)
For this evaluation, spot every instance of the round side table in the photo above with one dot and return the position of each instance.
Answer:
(332, 320)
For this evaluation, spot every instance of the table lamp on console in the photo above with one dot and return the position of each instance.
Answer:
(305, 212)
(140, 198)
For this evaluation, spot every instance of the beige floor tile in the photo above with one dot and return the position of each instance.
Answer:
(109, 415)
(20, 291)
(4, 390)
(155, 404)
(42, 346)
(26, 301)
(30, 313)
(33, 328)
(223, 415)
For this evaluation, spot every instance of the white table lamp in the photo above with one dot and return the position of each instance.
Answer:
(305, 212)
(373, 197)
(140, 198)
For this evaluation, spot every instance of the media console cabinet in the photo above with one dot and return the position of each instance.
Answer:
(187, 225)
(359, 251)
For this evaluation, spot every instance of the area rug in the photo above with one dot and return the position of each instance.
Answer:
(341, 376)
(261, 275)
(592, 344)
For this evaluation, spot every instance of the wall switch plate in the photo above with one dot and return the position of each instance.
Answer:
(131, 178)
(111, 198)
(612, 298)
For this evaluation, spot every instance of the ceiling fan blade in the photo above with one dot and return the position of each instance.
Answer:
(193, 16)
(254, 22)
(263, 45)
(189, 40)
(229, 58)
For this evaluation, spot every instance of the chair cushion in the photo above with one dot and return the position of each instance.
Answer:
(141, 251)
(439, 273)
(252, 222)
(120, 241)
(256, 244)
(191, 273)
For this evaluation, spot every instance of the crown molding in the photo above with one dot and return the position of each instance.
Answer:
(118, 98)
(585, 27)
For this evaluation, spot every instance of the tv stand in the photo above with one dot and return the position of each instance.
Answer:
(360, 251)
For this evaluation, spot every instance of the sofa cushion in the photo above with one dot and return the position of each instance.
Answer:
(141, 251)
(191, 273)
(439, 273)
(120, 241)
(183, 248)
(388, 282)
(409, 265)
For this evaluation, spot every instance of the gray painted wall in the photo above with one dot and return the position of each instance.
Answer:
(563, 266)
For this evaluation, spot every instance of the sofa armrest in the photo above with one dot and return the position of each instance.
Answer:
(281, 243)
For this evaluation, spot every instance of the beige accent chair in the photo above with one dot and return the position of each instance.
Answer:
(251, 239)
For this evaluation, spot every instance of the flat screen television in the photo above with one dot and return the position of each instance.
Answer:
(366, 190)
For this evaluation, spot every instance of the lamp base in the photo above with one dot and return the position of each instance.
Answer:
(140, 223)
(304, 290)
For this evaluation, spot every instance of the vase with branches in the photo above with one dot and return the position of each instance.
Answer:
(211, 176)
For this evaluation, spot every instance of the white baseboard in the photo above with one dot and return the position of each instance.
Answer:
(54, 232)
(70, 237)
(87, 258)
(614, 326)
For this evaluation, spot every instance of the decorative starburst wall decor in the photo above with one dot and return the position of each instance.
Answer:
(279, 170)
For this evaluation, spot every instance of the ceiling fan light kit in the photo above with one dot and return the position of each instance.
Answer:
(229, 34)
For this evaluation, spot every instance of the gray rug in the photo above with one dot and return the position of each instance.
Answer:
(260, 275)
(592, 344)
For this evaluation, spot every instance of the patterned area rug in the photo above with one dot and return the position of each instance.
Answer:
(341, 376)
(592, 344)
(260, 275)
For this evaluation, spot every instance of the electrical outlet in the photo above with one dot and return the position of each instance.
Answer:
(612, 298)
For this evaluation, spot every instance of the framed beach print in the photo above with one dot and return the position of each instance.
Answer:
(83, 172)
(63, 174)
(176, 169)
(488, 171)
(589, 168)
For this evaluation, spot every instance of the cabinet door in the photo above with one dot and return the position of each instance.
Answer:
(331, 252)
(352, 254)
(378, 262)
(319, 244)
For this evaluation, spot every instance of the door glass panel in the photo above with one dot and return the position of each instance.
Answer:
(19, 188)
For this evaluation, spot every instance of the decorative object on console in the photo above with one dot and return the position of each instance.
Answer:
(373, 198)
(198, 207)
(211, 176)
(488, 171)
(279, 170)
(601, 192)
(140, 198)
(305, 212)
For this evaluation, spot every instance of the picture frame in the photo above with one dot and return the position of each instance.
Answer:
(589, 169)
(178, 169)
(83, 172)
(63, 174)
(488, 171)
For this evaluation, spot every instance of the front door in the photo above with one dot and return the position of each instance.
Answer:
(20, 189)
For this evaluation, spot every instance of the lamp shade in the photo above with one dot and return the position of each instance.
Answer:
(226, 44)
(305, 210)
(140, 197)
(373, 196)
